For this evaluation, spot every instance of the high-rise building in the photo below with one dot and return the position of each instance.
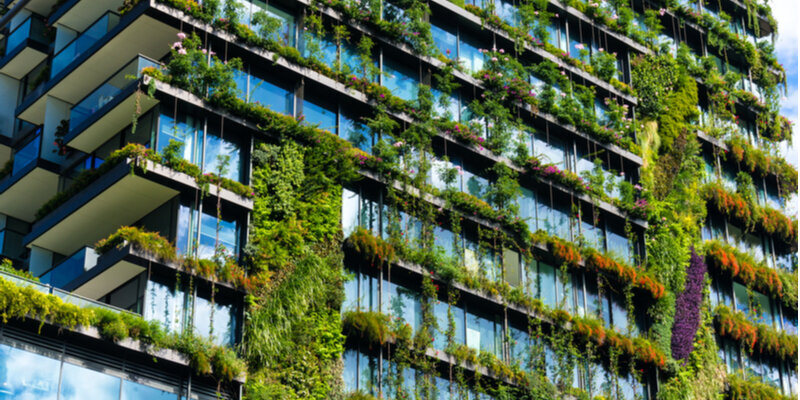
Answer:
(356, 199)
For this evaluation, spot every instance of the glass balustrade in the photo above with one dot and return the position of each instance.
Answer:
(71, 268)
(32, 28)
(83, 42)
(63, 295)
(26, 155)
(109, 90)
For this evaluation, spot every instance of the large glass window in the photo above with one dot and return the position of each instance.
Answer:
(321, 116)
(214, 320)
(186, 129)
(137, 391)
(618, 244)
(27, 376)
(445, 40)
(176, 309)
(552, 151)
(269, 15)
(403, 303)
(484, 332)
(214, 234)
(468, 54)
(222, 155)
(79, 383)
(400, 79)
(267, 94)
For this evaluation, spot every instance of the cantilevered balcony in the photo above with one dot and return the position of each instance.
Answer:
(25, 47)
(108, 108)
(116, 198)
(93, 56)
(78, 15)
(30, 174)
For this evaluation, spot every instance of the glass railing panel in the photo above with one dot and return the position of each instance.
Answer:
(83, 42)
(109, 90)
(84, 302)
(33, 28)
(26, 155)
(71, 268)
(22, 282)
(17, 37)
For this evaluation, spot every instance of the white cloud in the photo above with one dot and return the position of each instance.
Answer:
(786, 13)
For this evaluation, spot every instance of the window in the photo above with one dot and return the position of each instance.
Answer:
(550, 150)
(484, 332)
(75, 379)
(186, 129)
(222, 155)
(350, 212)
(173, 307)
(445, 40)
(403, 303)
(615, 312)
(318, 115)
(202, 142)
(400, 79)
(360, 372)
(352, 130)
(618, 244)
(323, 49)
(137, 391)
(214, 320)
(212, 233)
(519, 345)
(285, 32)
(20, 368)
(270, 95)
(468, 54)
(527, 208)
(512, 271)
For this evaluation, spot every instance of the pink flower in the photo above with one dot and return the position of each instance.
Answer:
(501, 51)
(181, 35)
(182, 51)
(579, 46)
(177, 45)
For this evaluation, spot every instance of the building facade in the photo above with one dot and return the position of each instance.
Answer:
(379, 199)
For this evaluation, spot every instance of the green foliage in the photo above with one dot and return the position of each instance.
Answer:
(654, 77)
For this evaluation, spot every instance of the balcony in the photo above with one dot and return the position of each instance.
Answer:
(25, 47)
(78, 15)
(83, 42)
(108, 108)
(75, 265)
(30, 173)
(101, 50)
(41, 7)
(116, 198)
(66, 297)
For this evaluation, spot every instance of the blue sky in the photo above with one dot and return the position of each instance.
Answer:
(787, 13)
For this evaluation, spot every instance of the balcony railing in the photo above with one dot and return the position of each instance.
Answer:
(71, 268)
(27, 154)
(83, 42)
(64, 296)
(108, 90)
(33, 28)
